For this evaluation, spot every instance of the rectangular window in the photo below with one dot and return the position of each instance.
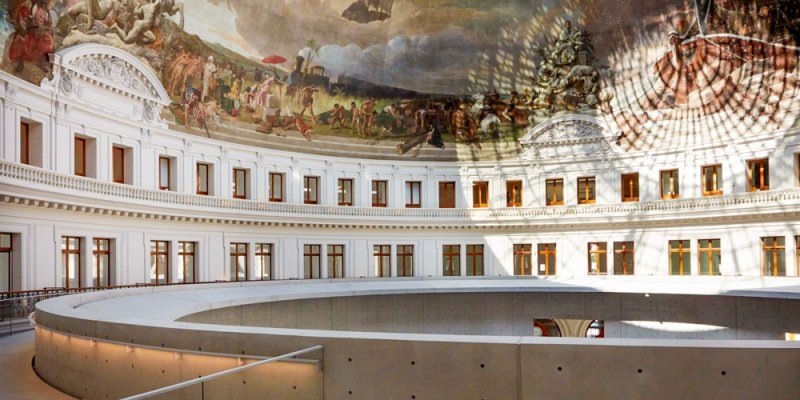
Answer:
(758, 175)
(80, 157)
(382, 255)
(335, 261)
(708, 256)
(598, 258)
(405, 260)
(345, 192)
(630, 187)
(712, 180)
(554, 190)
(25, 143)
(447, 195)
(451, 260)
(413, 194)
(187, 260)
(276, 187)
(773, 256)
(586, 190)
(238, 268)
(239, 183)
(101, 258)
(680, 253)
(379, 197)
(797, 255)
(513, 193)
(522, 259)
(670, 185)
(203, 182)
(474, 260)
(118, 162)
(264, 259)
(71, 262)
(480, 194)
(164, 169)
(623, 258)
(310, 190)
(547, 259)
(311, 261)
(6, 257)
(159, 262)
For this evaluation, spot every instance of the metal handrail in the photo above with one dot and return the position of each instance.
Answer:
(220, 374)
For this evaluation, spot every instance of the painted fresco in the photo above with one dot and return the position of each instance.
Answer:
(433, 72)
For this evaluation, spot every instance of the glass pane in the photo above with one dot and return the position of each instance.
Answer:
(307, 267)
(119, 164)
(80, 157)
(164, 172)
(5, 271)
(312, 189)
(188, 271)
(559, 191)
(202, 178)
(5, 240)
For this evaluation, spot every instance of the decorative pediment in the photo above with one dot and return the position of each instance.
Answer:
(109, 79)
(572, 135)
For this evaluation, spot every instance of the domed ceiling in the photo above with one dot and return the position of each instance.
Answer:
(431, 73)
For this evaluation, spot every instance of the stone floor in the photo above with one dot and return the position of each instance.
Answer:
(17, 379)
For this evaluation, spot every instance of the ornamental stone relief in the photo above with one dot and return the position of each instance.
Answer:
(566, 138)
(115, 71)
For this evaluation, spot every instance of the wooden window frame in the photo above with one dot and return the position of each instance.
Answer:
(522, 251)
(236, 183)
(410, 190)
(279, 177)
(96, 255)
(514, 193)
(182, 256)
(207, 168)
(380, 191)
(555, 201)
(480, 194)
(154, 252)
(381, 253)
(716, 177)
(121, 150)
(707, 252)
(307, 181)
(67, 251)
(404, 270)
(473, 253)
(447, 187)
(628, 180)
(341, 191)
(161, 185)
(775, 248)
(10, 251)
(236, 252)
(587, 180)
(623, 251)
(451, 253)
(545, 252)
(600, 253)
(308, 252)
(82, 143)
(263, 252)
(763, 174)
(25, 143)
(338, 251)
(680, 251)
(674, 177)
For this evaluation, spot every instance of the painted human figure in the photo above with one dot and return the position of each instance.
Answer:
(32, 40)
(337, 115)
(355, 118)
(368, 116)
(209, 78)
(307, 99)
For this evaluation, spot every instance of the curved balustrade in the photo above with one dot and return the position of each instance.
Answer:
(19, 173)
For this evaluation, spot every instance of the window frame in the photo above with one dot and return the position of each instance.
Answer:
(236, 183)
(310, 254)
(601, 254)
(629, 180)
(236, 250)
(273, 176)
(543, 252)
(674, 177)
(182, 256)
(66, 251)
(521, 252)
(623, 270)
(382, 254)
(10, 256)
(716, 178)
(154, 253)
(412, 188)
(25, 143)
(680, 250)
(198, 175)
(775, 249)
(480, 194)
(474, 253)
(79, 141)
(445, 188)
(380, 191)
(763, 174)
(115, 152)
(96, 255)
(587, 180)
(307, 192)
(556, 182)
(342, 192)
(161, 185)
(514, 193)
(708, 252)
(451, 256)
(335, 251)
(265, 254)
(402, 255)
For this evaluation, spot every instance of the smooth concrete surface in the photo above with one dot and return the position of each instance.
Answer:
(18, 381)
(391, 365)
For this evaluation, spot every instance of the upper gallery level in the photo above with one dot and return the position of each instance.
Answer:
(93, 136)
(420, 81)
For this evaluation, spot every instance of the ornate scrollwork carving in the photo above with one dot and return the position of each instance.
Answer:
(114, 71)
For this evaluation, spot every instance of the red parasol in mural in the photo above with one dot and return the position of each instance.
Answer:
(274, 59)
